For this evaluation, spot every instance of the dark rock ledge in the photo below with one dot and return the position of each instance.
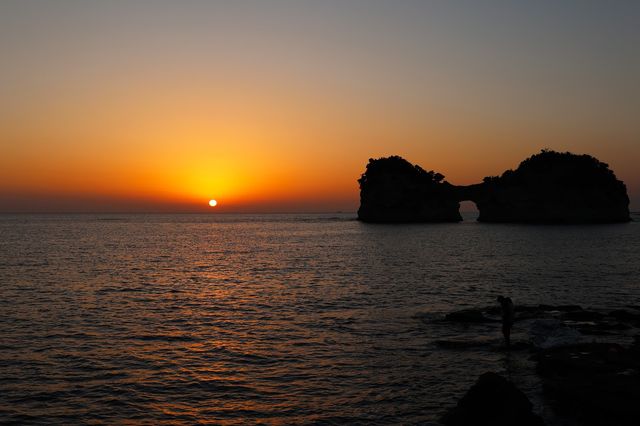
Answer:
(593, 383)
(492, 401)
(586, 382)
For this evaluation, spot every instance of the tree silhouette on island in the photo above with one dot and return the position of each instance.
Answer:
(549, 187)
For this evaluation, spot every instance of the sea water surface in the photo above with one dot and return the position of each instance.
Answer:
(275, 319)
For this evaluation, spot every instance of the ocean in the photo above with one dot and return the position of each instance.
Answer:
(277, 319)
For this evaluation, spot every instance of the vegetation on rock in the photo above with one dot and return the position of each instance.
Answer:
(394, 190)
(554, 187)
(549, 187)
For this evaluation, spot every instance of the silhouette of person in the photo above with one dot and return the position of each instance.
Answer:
(508, 317)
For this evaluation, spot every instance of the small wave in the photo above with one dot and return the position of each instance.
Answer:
(166, 338)
(332, 219)
(229, 390)
(118, 290)
(250, 358)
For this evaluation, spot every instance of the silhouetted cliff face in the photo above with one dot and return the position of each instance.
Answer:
(394, 190)
(553, 187)
(549, 187)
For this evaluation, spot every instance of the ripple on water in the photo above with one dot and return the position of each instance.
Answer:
(173, 319)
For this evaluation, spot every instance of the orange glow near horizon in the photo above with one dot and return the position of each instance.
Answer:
(250, 175)
(221, 100)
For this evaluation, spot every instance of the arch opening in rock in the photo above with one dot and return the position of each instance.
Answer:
(549, 187)
(469, 211)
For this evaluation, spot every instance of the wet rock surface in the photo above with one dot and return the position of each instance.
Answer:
(494, 401)
(586, 321)
(587, 362)
(631, 315)
(593, 383)
(468, 315)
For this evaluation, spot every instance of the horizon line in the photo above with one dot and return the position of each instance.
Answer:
(177, 212)
(189, 212)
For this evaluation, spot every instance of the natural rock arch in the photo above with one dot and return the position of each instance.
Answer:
(549, 187)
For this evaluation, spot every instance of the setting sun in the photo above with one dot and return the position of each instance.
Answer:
(391, 173)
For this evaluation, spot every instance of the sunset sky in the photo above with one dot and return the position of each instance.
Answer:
(277, 105)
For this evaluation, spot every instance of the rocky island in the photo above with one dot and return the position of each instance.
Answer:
(549, 187)
(394, 190)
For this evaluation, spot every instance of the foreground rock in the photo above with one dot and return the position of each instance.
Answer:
(594, 383)
(549, 187)
(494, 401)
(549, 333)
(584, 381)
(550, 326)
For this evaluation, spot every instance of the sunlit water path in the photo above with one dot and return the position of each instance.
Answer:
(274, 318)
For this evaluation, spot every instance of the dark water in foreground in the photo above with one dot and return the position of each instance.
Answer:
(277, 318)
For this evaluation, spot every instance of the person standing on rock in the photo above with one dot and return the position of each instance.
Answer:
(508, 317)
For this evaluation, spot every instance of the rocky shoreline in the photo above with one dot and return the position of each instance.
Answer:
(588, 362)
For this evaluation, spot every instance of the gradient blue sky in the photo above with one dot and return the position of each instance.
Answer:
(277, 105)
